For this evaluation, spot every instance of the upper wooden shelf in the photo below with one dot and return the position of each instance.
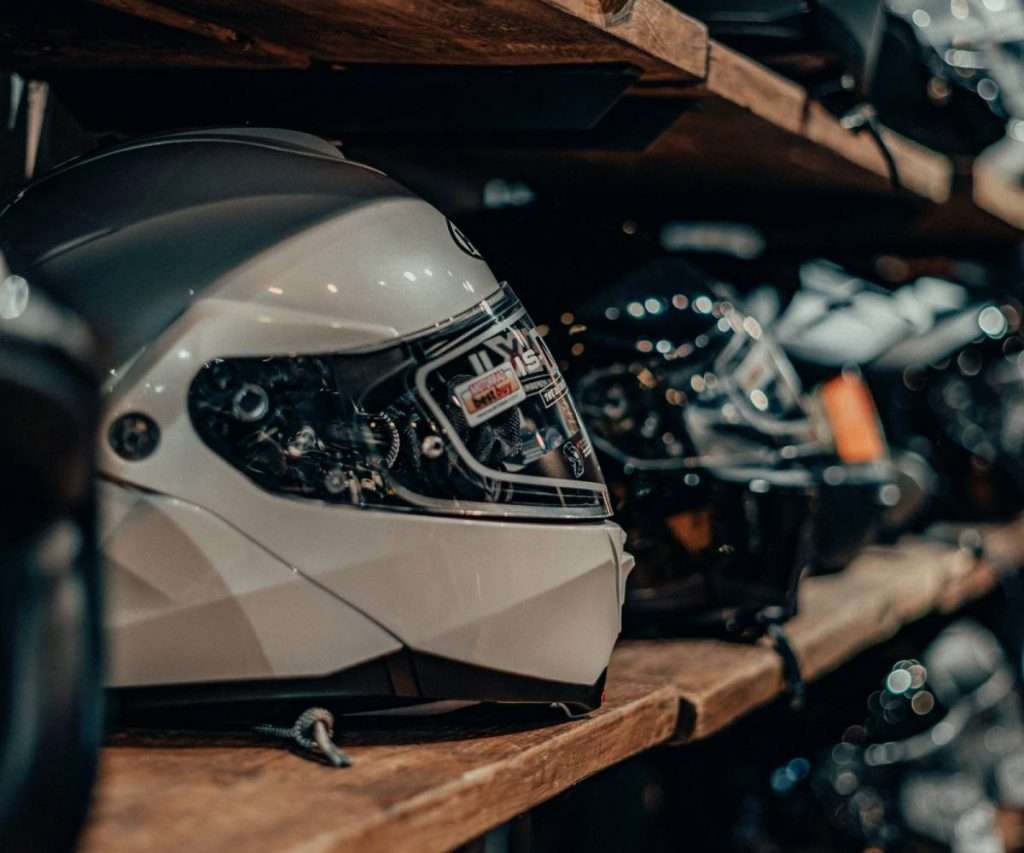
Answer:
(753, 127)
(425, 784)
(997, 185)
(739, 81)
(649, 34)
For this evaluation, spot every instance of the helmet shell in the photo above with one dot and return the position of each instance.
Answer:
(253, 243)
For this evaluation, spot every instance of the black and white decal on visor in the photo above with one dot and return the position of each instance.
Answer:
(505, 368)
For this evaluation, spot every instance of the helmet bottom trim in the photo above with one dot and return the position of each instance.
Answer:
(404, 678)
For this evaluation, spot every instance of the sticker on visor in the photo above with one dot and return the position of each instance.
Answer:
(490, 394)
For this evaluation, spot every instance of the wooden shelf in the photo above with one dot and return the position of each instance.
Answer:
(287, 34)
(753, 127)
(424, 784)
(741, 81)
(840, 615)
(997, 184)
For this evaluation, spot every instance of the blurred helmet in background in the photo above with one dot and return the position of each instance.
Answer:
(716, 460)
(944, 363)
(50, 609)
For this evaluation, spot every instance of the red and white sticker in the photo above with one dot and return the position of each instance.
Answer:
(494, 391)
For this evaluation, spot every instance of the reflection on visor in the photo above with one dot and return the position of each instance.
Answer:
(732, 399)
(471, 417)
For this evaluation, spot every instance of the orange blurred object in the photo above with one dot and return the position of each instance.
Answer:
(692, 529)
(854, 420)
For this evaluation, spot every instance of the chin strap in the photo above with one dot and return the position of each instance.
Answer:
(795, 684)
(314, 732)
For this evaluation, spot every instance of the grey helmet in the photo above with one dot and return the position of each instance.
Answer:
(336, 458)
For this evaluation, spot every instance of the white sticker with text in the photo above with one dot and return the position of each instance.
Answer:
(494, 391)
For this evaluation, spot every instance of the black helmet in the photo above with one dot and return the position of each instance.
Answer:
(712, 455)
(949, 72)
(827, 340)
(859, 484)
(833, 43)
(50, 672)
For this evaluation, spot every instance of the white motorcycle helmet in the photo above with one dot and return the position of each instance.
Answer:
(337, 459)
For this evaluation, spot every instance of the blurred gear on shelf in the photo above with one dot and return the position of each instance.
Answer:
(938, 754)
(50, 609)
(721, 468)
(951, 72)
(339, 462)
(944, 364)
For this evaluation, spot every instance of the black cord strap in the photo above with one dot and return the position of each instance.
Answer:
(864, 118)
(795, 684)
(314, 732)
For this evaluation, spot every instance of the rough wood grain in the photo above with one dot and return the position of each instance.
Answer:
(997, 184)
(653, 26)
(646, 33)
(70, 34)
(747, 84)
(416, 786)
(166, 16)
(431, 784)
(756, 125)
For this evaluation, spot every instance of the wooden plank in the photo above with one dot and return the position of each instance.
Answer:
(424, 784)
(881, 591)
(647, 33)
(73, 34)
(741, 81)
(964, 222)
(168, 17)
(747, 84)
(755, 127)
(653, 26)
(745, 127)
(997, 184)
(427, 784)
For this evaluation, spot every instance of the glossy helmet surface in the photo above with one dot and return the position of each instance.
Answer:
(704, 435)
(50, 609)
(338, 461)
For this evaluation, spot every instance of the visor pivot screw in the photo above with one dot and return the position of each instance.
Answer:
(134, 436)
(432, 447)
(250, 403)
